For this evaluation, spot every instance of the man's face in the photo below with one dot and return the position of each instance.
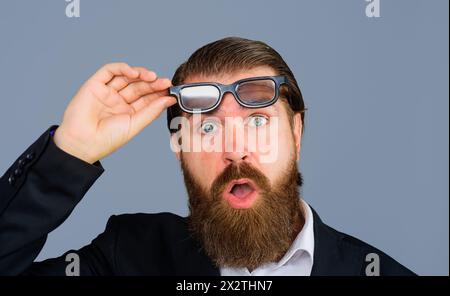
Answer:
(273, 152)
(242, 200)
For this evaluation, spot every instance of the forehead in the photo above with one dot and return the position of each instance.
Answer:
(228, 78)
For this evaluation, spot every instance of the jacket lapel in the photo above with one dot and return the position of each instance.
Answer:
(332, 256)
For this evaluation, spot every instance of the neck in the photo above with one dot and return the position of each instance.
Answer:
(299, 222)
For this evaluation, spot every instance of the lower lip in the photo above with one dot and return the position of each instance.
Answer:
(241, 202)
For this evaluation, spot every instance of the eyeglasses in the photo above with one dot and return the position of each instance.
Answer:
(254, 92)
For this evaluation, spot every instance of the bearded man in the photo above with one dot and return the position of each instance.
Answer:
(235, 116)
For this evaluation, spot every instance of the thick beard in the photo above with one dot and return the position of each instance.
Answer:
(245, 237)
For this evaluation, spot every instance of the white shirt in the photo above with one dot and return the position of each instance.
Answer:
(298, 260)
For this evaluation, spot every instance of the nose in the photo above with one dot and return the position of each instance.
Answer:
(235, 148)
(234, 157)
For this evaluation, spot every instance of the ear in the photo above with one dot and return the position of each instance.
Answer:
(175, 144)
(297, 133)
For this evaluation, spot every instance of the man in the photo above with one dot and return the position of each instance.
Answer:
(239, 100)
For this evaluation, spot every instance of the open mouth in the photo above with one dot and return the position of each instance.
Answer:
(241, 193)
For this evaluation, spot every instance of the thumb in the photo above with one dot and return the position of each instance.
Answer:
(149, 113)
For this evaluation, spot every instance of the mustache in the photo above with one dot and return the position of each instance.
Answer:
(238, 171)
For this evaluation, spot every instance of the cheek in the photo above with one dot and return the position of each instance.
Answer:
(274, 157)
(272, 169)
(203, 165)
(287, 148)
(269, 141)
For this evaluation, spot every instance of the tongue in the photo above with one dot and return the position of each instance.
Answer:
(241, 190)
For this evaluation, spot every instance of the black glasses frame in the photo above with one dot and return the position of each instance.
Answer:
(231, 88)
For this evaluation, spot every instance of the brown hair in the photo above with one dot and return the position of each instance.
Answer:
(232, 54)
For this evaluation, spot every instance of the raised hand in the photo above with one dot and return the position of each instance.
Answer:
(109, 109)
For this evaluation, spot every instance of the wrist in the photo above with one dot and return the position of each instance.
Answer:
(69, 146)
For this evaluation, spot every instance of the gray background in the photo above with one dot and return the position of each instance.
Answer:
(375, 152)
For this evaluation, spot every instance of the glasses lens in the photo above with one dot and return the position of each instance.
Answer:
(257, 92)
(199, 97)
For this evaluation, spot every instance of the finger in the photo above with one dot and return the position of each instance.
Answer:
(147, 99)
(146, 74)
(150, 112)
(138, 89)
(120, 82)
(108, 71)
(110, 98)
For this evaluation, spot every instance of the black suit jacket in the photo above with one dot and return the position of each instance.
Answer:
(41, 188)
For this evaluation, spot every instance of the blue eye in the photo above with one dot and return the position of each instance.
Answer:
(208, 127)
(257, 120)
